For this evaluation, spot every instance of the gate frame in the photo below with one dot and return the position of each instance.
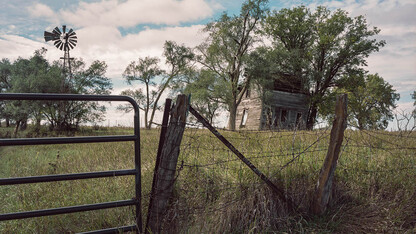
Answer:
(88, 175)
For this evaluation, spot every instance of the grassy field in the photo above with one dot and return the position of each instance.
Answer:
(375, 188)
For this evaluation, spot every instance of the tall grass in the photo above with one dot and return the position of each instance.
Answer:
(214, 192)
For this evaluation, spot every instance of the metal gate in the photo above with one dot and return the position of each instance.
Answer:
(71, 140)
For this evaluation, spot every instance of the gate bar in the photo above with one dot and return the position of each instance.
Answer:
(65, 97)
(118, 230)
(65, 140)
(77, 97)
(75, 176)
(66, 210)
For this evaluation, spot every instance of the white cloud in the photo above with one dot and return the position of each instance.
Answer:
(12, 47)
(129, 13)
(106, 43)
(43, 11)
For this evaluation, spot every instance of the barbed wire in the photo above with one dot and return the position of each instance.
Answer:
(214, 169)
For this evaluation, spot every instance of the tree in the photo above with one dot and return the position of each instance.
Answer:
(226, 48)
(37, 75)
(319, 48)
(207, 92)
(33, 75)
(92, 80)
(145, 71)
(371, 101)
(5, 77)
(178, 58)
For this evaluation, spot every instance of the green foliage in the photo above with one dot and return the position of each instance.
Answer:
(37, 75)
(318, 48)
(178, 58)
(371, 101)
(225, 51)
(208, 92)
(137, 95)
(144, 71)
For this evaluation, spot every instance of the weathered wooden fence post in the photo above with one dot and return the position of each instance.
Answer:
(165, 176)
(324, 186)
(162, 137)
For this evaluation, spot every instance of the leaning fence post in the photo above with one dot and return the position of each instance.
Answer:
(324, 186)
(165, 176)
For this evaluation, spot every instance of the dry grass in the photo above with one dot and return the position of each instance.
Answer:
(215, 193)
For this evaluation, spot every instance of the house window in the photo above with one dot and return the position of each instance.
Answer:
(283, 116)
(244, 118)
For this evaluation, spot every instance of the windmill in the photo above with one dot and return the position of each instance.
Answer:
(64, 41)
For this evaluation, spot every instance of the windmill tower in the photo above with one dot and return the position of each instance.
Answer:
(64, 41)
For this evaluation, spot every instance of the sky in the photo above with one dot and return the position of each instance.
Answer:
(119, 32)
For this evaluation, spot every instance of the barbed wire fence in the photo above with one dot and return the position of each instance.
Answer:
(213, 186)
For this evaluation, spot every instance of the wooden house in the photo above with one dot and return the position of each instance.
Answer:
(286, 108)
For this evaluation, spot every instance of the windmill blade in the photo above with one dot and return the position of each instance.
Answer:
(61, 46)
(73, 36)
(70, 31)
(63, 28)
(72, 40)
(57, 31)
(58, 44)
(72, 44)
(50, 36)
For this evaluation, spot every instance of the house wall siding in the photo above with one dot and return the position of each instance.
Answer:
(261, 118)
(253, 106)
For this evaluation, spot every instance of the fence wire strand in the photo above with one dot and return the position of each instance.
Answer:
(209, 172)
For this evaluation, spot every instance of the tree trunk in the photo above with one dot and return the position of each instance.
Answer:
(7, 122)
(23, 125)
(313, 112)
(146, 124)
(157, 100)
(16, 128)
(37, 125)
(233, 116)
